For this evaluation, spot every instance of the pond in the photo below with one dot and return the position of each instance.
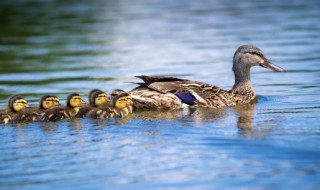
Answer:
(59, 47)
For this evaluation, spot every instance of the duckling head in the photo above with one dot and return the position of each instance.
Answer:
(90, 96)
(248, 56)
(116, 92)
(49, 101)
(123, 100)
(16, 103)
(99, 98)
(74, 100)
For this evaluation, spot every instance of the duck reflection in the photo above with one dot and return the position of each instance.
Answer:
(244, 117)
(245, 113)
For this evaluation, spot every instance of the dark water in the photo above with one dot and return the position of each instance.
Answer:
(60, 47)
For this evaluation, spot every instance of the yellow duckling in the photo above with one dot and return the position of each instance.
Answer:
(96, 98)
(74, 102)
(33, 113)
(120, 106)
(117, 92)
(16, 103)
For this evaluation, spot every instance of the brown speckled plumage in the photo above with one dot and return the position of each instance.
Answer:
(161, 92)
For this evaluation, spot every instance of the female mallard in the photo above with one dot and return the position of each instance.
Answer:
(33, 113)
(16, 104)
(172, 93)
(96, 98)
(74, 102)
(120, 106)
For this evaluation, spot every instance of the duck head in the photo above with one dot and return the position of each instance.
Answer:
(122, 100)
(16, 103)
(99, 98)
(248, 56)
(49, 101)
(75, 100)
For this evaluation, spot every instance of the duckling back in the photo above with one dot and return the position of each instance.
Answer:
(102, 112)
(53, 114)
(25, 116)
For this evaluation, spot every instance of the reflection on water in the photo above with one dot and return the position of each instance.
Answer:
(60, 47)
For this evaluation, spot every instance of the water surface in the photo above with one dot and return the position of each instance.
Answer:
(61, 47)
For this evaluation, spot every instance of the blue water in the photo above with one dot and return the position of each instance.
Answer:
(62, 47)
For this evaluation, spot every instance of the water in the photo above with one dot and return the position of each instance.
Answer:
(61, 47)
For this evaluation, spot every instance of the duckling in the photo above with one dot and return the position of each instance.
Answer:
(16, 103)
(74, 102)
(96, 98)
(33, 113)
(174, 93)
(120, 106)
(116, 92)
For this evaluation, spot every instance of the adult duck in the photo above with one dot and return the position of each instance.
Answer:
(172, 93)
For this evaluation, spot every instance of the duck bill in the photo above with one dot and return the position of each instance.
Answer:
(267, 64)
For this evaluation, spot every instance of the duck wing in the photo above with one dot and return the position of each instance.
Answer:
(189, 92)
(148, 79)
(160, 83)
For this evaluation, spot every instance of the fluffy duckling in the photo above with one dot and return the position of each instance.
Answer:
(120, 106)
(117, 92)
(16, 103)
(96, 98)
(33, 113)
(74, 102)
